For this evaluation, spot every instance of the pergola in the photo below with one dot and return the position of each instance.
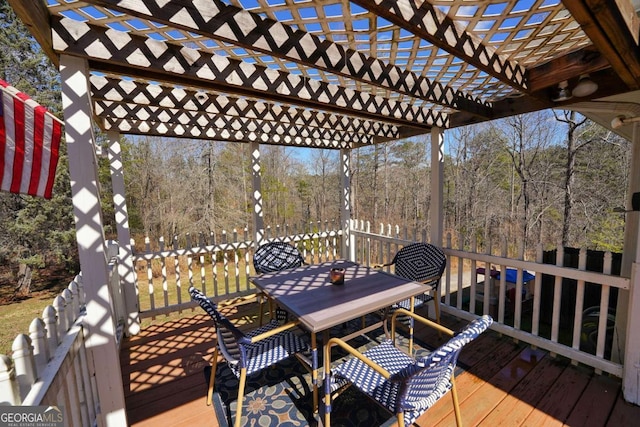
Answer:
(322, 73)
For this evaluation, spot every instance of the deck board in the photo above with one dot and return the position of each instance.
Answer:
(563, 395)
(596, 403)
(524, 397)
(623, 414)
(500, 382)
(482, 402)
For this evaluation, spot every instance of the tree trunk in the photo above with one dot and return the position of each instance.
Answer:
(23, 288)
(568, 182)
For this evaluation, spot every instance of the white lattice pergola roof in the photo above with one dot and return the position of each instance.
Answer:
(334, 73)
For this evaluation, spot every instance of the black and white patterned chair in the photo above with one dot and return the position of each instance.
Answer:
(405, 386)
(276, 256)
(271, 257)
(420, 262)
(251, 352)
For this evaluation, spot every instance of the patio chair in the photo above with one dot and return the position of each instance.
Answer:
(420, 262)
(251, 352)
(405, 386)
(271, 257)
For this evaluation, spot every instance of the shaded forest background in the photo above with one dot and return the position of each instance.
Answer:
(546, 177)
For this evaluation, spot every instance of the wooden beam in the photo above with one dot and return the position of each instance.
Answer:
(614, 32)
(584, 61)
(609, 84)
(425, 20)
(35, 16)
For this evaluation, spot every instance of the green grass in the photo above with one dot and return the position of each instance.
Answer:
(17, 314)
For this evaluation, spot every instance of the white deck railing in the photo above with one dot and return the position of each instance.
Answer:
(50, 366)
(170, 271)
(548, 313)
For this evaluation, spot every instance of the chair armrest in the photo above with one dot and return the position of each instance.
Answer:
(381, 265)
(353, 352)
(423, 320)
(274, 331)
(431, 279)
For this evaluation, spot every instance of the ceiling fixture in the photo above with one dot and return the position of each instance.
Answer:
(585, 86)
(564, 93)
(619, 121)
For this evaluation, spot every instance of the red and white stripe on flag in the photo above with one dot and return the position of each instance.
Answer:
(29, 144)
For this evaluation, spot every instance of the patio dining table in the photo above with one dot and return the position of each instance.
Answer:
(308, 294)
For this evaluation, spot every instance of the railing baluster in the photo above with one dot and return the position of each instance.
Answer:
(537, 294)
(24, 363)
(327, 245)
(73, 402)
(225, 261)
(152, 302)
(163, 267)
(9, 390)
(201, 259)
(557, 295)
(176, 263)
(489, 290)
(69, 312)
(517, 315)
(78, 280)
(579, 305)
(214, 264)
(75, 298)
(236, 261)
(247, 269)
(503, 284)
(80, 392)
(49, 318)
(189, 265)
(88, 385)
(60, 304)
(447, 275)
(603, 318)
(474, 276)
(38, 335)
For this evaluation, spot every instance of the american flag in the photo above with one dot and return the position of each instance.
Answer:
(29, 144)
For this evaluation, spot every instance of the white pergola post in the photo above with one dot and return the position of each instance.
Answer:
(126, 270)
(437, 178)
(626, 338)
(256, 172)
(348, 239)
(99, 323)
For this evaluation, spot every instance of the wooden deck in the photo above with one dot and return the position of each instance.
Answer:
(503, 384)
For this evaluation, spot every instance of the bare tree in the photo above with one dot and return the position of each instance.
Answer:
(527, 136)
(573, 146)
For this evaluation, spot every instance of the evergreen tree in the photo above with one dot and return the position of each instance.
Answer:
(33, 230)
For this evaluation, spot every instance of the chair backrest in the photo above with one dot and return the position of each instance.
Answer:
(230, 338)
(276, 256)
(429, 373)
(420, 261)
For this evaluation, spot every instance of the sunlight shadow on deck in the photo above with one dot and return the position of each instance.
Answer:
(500, 382)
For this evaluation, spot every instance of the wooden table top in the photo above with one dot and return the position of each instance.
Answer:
(307, 293)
